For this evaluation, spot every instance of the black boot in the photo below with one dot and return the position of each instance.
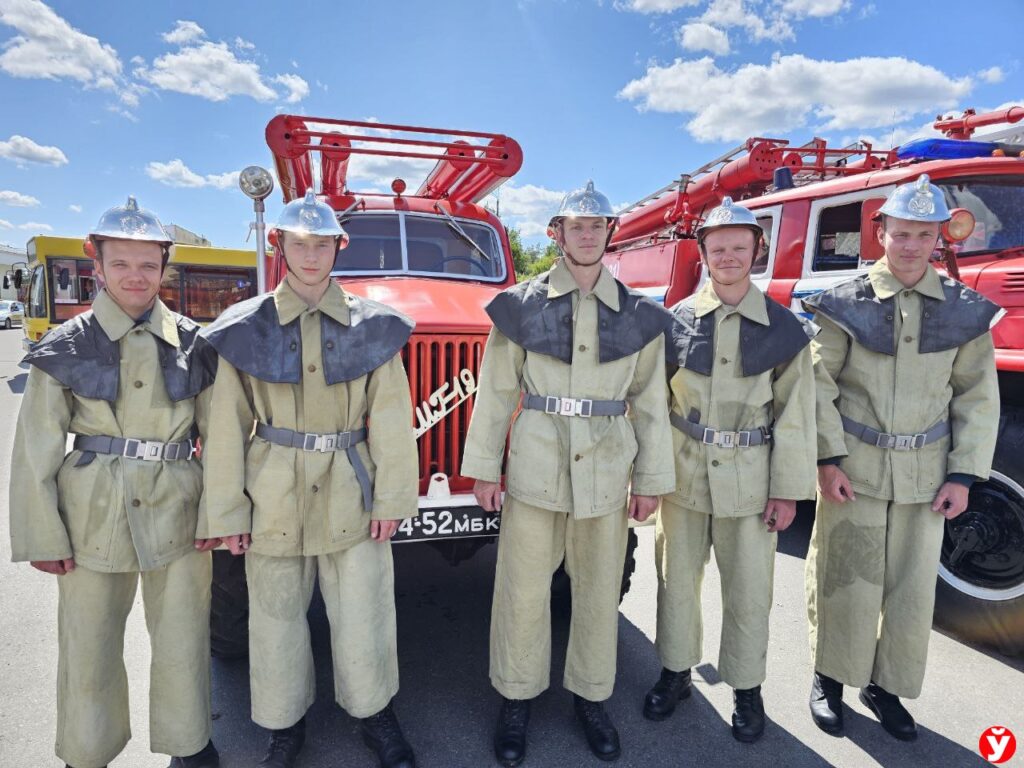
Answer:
(510, 735)
(382, 734)
(660, 702)
(748, 715)
(890, 712)
(284, 746)
(827, 703)
(207, 757)
(597, 726)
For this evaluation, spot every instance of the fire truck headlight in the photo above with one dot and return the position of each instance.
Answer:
(959, 226)
(256, 182)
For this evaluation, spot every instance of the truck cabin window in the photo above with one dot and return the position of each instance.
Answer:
(996, 203)
(838, 242)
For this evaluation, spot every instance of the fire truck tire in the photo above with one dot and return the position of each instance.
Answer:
(561, 591)
(980, 597)
(229, 607)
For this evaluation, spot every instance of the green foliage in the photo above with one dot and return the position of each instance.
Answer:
(530, 260)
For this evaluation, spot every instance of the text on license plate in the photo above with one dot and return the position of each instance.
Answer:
(455, 523)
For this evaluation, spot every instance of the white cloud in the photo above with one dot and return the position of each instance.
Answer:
(244, 45)
(298, 89)
(176, 174)
(656, 6)
(992, 75)
(184, 32)
(528, 208)
(21, 149)
(209, 70)
(5, 224)
(698, 36)
(726, 14)
(814, 8)
(793, 91)
(75, 208)
(36, 226)
(17, 200)
(48, 47)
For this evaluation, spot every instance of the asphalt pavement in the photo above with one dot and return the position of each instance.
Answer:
(447, 707)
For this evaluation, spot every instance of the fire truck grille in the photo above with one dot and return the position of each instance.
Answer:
(443, 371)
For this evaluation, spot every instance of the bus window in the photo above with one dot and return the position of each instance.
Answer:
(210, 292)
(37, 293)
(170, 289)
(70, 301)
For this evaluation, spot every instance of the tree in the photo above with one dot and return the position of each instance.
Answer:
(530, 260)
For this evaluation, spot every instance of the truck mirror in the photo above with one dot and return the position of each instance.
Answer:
(17, 279)
(64, 279)
(7, 282)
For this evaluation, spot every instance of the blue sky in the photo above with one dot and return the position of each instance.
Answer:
(168, 101)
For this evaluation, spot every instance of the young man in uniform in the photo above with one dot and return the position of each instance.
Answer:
(127, 380)
(907, 409)
(742, 388)
(310, 465)
(584, 358)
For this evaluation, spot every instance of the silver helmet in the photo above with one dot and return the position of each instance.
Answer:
(129, 222)
(728, 214)
(585, 201)
(917, 200)
(309, 216)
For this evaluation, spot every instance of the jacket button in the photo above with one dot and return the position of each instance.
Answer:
(311, 368)
(908, 338)
(578, 457)
(927, 314)
(583, 347)
(330, 345)
(138, 385)
(906, 293)
(292, 346)
(136, 503)
(724, 360)
(714, 462)
(316, 488)
(888, 317)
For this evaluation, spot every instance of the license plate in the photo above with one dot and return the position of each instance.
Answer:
(456, 523)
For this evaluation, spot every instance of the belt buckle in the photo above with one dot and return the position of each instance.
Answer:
(131, 448)
(327, 443)
(552, 405)
(904, 442)
(342, 441)
(584, 408)
(747, 434)
(923, 439)
(727, 439)
(705, 439)
(568, 407)
(885, 440)
(152, 450)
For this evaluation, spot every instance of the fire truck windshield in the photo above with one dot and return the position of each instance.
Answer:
(400, 243)
(997, 204)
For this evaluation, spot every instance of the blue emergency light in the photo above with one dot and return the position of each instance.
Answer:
(945, 149)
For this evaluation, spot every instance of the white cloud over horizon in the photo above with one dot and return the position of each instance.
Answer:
(22, 149)
(176, 174)
(17, 199)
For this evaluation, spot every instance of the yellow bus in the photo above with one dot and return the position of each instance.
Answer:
(59, 282)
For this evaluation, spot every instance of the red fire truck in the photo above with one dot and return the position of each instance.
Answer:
(815, 204)
(435, 254)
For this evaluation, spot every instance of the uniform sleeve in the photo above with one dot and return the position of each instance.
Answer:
(654, 471)
(794, 447)
(829, 350)
(974, 409)
(40, 440)
(391, 442)
(498, 393)
(224, 509)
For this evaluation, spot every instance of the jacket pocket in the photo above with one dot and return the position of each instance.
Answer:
(535, 458)
(175, 507)
(614, 455)
(931, 466)
(88, 498)
(864, 464)
(345, 501)
(270, 481)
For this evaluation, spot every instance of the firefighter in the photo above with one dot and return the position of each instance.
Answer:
(129, 380)
(742, 389)
(907, 411)
(310, 466)
(584, 358)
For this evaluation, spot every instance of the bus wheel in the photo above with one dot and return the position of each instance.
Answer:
(980, 589)
(229, 607)
(7, 324)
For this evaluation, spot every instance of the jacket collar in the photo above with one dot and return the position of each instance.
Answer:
(115, 322)
(334, 303)
(885, 284)
(752, 305)
(561, 282)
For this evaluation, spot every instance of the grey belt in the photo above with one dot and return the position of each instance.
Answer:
(131, 448)
(719, 437)
(574, 406)
(334, 441)
(896, 442)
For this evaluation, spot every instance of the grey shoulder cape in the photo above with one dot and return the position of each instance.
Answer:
(249, 336)
(543, 325)
(762, 347)
(84, 359)
(853, 305)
